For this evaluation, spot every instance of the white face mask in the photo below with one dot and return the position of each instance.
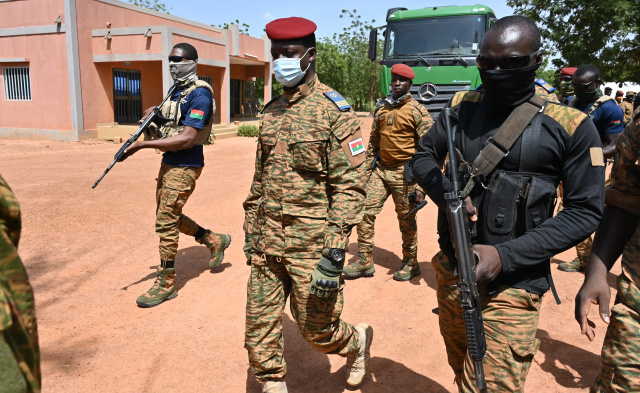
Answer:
(288, 71)
(183, 71)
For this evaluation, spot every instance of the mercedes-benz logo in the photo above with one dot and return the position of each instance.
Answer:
(428, 91)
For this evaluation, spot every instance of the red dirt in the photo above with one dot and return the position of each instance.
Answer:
(91, 253)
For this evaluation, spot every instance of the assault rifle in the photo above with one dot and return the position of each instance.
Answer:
(152, 117)
(461, 237)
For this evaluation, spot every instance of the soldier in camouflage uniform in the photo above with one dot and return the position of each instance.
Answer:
(627, 106)
(306, 195)
(618, 234)
(19, 351)
(397, 125)
(513, 250)
(188, 112)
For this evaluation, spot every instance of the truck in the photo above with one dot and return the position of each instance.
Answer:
(440, 44)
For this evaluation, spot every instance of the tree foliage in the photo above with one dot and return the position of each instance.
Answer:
(343, 64)
(243, 28)
(603, 33)
(155, 5)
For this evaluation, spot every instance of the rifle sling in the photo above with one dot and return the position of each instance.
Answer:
(500, 144)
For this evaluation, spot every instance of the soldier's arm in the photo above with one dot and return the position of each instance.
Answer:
(252, 202)
(374, 141)
(423, 119)
(345, 175)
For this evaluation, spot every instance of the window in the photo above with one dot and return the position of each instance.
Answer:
(127, 97)
(17, 83)
(207, 79)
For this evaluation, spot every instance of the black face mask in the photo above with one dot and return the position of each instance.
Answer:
(504, 90)
(587, 97)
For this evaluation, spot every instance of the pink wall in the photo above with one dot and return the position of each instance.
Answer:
(49, 108)
(30, 13)
(205, 49)
(252, 46)
(243, 72)
(127, 44)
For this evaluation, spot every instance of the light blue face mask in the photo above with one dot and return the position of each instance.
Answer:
(288, 71)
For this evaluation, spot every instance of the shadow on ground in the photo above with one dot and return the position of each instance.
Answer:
(309, 370)
(564, 361)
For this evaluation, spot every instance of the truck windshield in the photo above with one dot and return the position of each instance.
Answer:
(441, 36)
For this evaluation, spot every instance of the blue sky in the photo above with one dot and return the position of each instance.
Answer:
(326, 14)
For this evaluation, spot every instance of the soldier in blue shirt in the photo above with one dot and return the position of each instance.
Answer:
(181, 137)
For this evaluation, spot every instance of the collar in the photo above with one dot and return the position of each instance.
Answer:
(301, 91)
(402, 100)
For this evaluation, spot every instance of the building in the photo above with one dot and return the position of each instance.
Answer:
(73, 68)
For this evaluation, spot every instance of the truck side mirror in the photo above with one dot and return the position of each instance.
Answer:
(373, 44)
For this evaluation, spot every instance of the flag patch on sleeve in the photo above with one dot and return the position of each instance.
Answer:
(196, 114)
(356, 147)
(615, 122)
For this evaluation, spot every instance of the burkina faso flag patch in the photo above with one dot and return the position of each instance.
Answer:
(196, 114)
(356, 147)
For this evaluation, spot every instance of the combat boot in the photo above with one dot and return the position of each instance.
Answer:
(576, 265)
(358, 361)
(163, 289)
(217, 243)
(363, 267)
(409, 269)
(274, 387)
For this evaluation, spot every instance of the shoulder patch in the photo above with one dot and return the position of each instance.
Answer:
(337, 99)
(354, 148)
(269, 103)
(545, 85)
(569, 118)
(470, 96)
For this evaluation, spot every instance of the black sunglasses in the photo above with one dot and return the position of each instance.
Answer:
(510, 62)
(584, 85)
(177, 59)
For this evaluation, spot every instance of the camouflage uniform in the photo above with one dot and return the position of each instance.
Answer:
(388, 177)
(627, 109)
(19, 351)
(546, 91)
(620, 368)
(511, 303)
(306, 195)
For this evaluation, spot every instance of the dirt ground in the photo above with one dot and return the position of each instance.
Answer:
(91, 253)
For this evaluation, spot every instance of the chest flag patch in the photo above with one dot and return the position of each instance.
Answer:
(597, 157)
(196, 114)
(356, 147)
(337, 99)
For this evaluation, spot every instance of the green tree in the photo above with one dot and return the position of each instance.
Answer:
(155, 5)
(243, 28)
(331, 65)
(603, 33)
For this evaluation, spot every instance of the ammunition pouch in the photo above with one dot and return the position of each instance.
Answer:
(514, 203)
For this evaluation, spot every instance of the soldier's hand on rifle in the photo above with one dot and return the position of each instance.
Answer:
(129, 151)
(489, 264)
(148, 112)
(419, 196)
(471, 210)
(325, 278)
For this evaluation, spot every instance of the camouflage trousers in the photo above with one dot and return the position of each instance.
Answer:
(272, 281)
(175, 185)
(383, 182)
(510, 322)
(620, 368)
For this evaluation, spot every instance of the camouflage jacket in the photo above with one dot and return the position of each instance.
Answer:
(401, 125)
(308, 187)
(624, 191)
(627, 109)
(17, 306)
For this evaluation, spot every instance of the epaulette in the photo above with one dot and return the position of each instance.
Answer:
(545, 85)
(269, 103)
(339, 100)
(569, 118)
(470, 96)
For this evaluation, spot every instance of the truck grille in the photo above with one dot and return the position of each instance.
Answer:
(445, 93)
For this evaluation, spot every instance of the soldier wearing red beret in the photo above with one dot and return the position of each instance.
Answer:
(398, 124)
(306, 196)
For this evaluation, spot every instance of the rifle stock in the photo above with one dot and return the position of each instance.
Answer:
(120, 154)
(461, 238)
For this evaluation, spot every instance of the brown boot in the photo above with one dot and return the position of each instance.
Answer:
(163, 288)
(363, 267)
(217, 243)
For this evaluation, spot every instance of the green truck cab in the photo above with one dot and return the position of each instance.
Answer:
(439, 43)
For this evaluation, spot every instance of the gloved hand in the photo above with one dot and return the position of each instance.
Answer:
(325, 278)
(247, 248)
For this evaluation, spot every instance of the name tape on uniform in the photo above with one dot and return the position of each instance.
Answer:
(356, 147)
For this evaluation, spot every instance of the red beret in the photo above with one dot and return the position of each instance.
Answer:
(568, 71)
(403, 70)
(619, 93)
(286, 29)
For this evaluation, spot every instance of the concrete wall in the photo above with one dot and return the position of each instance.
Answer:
(30, 13)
